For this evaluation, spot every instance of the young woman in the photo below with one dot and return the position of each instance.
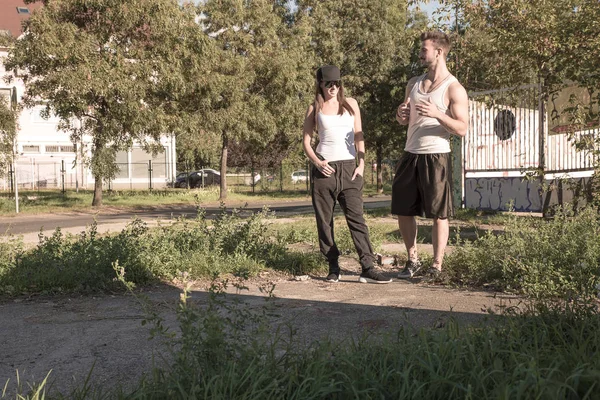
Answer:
(335, 174)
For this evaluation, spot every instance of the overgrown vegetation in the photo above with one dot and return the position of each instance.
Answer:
(226, 351)
(544, 353)
(548, 349)
(230, 244)
(540, 258)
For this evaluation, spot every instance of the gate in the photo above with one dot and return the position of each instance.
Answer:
(514, 156)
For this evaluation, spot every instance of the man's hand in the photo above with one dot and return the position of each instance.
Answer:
(403, 113)
(427, 109)
(324, 167)
(360, 170)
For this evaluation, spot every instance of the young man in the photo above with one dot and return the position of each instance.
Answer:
(435, 107)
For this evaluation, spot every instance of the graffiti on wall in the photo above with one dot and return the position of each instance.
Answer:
(502, 194)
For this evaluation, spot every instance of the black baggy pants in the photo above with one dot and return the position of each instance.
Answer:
(341, 188)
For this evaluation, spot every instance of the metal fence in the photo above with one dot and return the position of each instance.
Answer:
(68, 175)
(46, 175)
(516, 131)
(504, 131)
(510, 130)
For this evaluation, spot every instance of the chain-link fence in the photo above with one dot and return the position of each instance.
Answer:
(68, 175)
(33, 175)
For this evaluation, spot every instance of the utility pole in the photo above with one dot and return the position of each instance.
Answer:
(13, 103)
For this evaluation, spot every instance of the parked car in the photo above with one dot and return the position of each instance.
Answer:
(206, 177)
(299, 176)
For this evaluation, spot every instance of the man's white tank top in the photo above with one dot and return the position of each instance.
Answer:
(336, 136)
(425, 134)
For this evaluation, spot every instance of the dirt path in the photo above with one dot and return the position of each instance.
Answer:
(69, 335)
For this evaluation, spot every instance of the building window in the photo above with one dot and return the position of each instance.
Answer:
(122, 161)
(23, 10)
(139, 161)
(31, 149)
(60, 149)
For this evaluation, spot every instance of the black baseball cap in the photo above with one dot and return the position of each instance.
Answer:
(328, 73)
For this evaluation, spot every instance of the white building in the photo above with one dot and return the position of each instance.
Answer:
(43, 151)
(46, 157)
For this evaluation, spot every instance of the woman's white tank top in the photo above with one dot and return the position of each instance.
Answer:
(336, 136)
(425, 134)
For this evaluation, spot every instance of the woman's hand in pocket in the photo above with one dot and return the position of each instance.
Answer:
(360, 170)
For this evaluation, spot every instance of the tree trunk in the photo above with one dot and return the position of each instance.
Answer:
(223, 192)
(379, 152)
(97, 152)
(97, 201)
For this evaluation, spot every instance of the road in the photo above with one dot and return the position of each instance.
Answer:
(22, 224)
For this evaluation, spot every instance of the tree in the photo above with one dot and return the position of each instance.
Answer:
(505, 43)
(8, 133)
(261, 77)
(117, 65)
(553, 43)
(197, 150)
(370, 42)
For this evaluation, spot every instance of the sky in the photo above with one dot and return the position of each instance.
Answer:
(429, 7)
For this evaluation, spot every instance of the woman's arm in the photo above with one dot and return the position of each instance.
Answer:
(359, 139)
(308, 129)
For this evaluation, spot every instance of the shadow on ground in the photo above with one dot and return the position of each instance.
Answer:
(70, 335)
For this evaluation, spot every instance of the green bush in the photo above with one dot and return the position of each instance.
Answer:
(552, 258)
(232, 244)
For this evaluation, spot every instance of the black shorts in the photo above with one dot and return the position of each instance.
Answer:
(422, 186)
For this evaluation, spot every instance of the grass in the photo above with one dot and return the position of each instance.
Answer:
(48, 201)
(549, 353)
(228, 244)
(35, 202)
(225, 351)
(540, 258)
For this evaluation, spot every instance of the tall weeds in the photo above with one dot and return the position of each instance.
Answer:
(540, 258)
(231, 244)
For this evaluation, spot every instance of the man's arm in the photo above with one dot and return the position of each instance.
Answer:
(403, 113)
(456, 121)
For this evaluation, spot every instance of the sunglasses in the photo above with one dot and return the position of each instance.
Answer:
(329, 84)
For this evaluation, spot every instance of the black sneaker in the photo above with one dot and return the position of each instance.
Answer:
(334, 277)
(334, 272)
(372, 276)
(411, 268)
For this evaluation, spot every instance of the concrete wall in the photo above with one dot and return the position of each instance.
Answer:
(526, 195)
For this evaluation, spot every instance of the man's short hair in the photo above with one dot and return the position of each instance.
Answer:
(439, 39)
